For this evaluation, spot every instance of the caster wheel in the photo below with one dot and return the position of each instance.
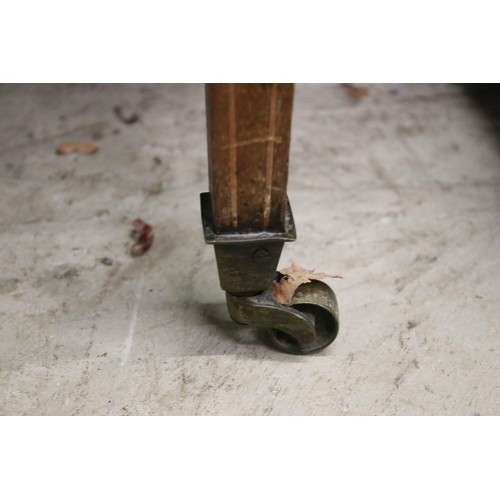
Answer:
(317, 301)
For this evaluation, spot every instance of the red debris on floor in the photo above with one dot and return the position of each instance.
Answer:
(143, 235)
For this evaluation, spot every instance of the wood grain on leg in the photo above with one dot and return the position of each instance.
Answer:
(248, 129)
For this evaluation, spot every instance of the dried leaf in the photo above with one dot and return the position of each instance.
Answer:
(84, 148)
(294, 276)
(356, 91)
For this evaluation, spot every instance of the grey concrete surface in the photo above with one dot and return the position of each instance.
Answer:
(399, 192)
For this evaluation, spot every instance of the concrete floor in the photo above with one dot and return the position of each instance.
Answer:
(399, 192)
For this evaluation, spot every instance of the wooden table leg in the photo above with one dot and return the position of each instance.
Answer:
(248, 144)
(247, 217)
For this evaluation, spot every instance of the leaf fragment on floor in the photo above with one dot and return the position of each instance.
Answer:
(84, 148)
(356, 91)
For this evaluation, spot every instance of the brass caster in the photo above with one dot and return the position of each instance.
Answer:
(247, 265)
(308, 326)
(317, 301)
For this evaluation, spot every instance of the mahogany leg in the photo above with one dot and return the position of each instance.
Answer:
(248, 143)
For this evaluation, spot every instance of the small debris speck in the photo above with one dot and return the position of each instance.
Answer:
(142, 233)
(356, 91)
(97, 136)
(128, 119)
(107, 261)
(85, 148)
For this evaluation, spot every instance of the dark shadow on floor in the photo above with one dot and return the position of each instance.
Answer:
(228, 337)
(486, 96)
